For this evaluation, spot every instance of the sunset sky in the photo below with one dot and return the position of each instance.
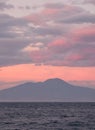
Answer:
(41, 39)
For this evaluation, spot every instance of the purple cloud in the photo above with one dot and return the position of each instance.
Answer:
(4, 5)
(58, 34)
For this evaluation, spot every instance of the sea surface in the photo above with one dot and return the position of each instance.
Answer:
(47, 116)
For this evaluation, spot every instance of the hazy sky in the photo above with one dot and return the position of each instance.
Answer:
(41, 39)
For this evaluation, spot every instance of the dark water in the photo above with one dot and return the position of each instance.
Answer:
(47, 116)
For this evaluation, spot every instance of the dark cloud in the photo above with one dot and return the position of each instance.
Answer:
(79, 19)
(24, 7)
(12, 60)
(84, 34)
(59, 35)
(27, 7)
(49, 30)
(7, 20)
(4, 5)
(90, 1)
(54, 5)
(54, 14)
(12, 41)
(9, 26)
(10, 52)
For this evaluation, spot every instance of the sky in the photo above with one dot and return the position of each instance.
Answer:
(41, 40)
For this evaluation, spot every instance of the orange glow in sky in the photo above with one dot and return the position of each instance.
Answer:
(40, 73)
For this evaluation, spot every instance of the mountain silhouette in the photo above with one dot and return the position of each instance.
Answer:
(55, 90)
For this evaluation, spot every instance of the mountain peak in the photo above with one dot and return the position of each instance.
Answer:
(54, 80)
(50, 90)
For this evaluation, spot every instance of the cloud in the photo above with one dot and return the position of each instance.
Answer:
(76, 50)
(32, 47)
(89, 1)
(80, 18)
(10, 52)
(85, 34)
(12, 40)
(49, 30)
(58, 35)
(11, 27)
(54, 5)
(58, 46)
(52, 12)
(27, 7)
(4, 5)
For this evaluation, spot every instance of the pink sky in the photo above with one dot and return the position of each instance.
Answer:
(40, 73)
(41, 40)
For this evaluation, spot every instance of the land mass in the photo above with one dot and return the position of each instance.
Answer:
(51, 90)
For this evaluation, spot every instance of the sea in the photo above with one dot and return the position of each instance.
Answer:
(47, 116)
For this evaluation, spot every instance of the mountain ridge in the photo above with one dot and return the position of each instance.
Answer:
(49, 90)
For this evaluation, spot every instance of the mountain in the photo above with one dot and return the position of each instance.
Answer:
(49, 90)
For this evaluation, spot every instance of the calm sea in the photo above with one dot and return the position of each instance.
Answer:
(47, 116)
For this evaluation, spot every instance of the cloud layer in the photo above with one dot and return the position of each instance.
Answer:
(58, 34)
(4, 5)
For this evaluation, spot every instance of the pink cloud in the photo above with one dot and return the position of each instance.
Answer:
(41, 56)
(53, 12)
(67, 60)
(38, 56)
(60, 52)
(35, 18)
(75, 57)
(42, 17)
(58, 45)
(48, 11)
(90, 49)
(84, 34)
(46, 55)
(72, 48)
